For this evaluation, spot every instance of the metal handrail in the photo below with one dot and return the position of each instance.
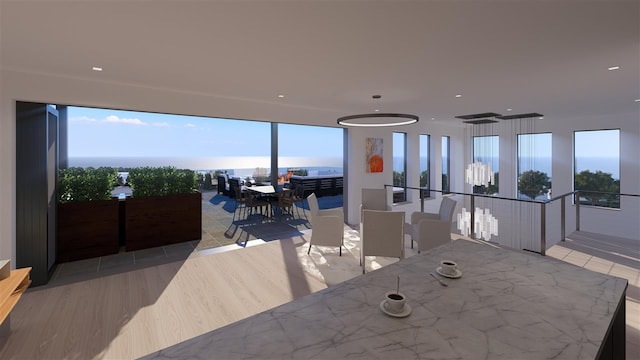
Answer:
(543, 204)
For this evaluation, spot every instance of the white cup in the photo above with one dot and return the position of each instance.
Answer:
(448, 267)
(394, 302)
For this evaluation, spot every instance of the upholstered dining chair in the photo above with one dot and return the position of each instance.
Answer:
(430, 230)
(373, 199)
(382, 234)
(327, 226)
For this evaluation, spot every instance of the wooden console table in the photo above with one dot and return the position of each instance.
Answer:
(11, 289)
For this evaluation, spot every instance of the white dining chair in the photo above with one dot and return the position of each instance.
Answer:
(327, 226)
(430, 230)
(382, 234)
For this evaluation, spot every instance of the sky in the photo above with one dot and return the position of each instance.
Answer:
(116, 133)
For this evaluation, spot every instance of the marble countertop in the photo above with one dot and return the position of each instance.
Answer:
(506, 305)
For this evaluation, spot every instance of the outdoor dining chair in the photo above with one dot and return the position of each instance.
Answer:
(241, 202)
(253, 201)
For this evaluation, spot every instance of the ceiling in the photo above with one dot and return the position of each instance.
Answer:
(329, 57)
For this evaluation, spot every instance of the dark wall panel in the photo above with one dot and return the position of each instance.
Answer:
(32, 190)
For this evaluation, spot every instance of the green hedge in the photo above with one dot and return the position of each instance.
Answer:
(160, 181)
(78, 184)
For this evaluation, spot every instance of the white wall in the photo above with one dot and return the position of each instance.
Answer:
(73, 91)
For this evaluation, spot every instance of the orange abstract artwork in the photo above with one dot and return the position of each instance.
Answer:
(373, 153)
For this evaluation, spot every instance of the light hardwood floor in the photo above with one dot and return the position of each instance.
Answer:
(131, 314)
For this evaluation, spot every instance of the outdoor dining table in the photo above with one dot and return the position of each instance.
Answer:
(267, 192)
(506, 305)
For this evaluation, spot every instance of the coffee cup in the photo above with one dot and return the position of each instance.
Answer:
(448, 267)
(394, 302)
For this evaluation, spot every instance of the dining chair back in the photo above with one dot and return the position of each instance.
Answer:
(382, 234)
(327, 226)
(430, 230)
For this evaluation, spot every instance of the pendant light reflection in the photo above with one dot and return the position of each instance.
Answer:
(485, 224)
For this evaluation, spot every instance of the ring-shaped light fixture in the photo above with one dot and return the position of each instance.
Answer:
(378, 120)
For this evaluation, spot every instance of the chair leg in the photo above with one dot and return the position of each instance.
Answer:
(412, 242)
(309, 251)
(340, 250)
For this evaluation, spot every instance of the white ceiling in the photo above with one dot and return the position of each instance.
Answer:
(330, 57)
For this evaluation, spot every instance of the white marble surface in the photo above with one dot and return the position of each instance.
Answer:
(507, 305)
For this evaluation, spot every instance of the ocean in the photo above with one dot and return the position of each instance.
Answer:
(238, 166)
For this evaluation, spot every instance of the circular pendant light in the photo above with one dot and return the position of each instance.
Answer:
(378, 120)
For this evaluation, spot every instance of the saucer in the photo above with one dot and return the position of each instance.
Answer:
(406, 312)
(457, 275)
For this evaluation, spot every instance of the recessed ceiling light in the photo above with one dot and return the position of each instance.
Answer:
(637, 100)
(541, 118)
(614, 68)
(433, 118)
(509, 109)
(95, 68)
(458, 95)
(280, 95)
(376, 110)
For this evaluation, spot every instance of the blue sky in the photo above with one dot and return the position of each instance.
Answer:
(116, 133)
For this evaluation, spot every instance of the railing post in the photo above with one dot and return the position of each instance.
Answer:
(562, 215)
(577, 202)
(543, 229)
(421, 200)
(473, 217)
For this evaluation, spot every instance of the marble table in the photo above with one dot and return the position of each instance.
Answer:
(507, 305)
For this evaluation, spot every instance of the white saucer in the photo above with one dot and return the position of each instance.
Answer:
(457, 275)
(406, 312)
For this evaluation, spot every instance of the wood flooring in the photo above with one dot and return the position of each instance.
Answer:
(131, 314)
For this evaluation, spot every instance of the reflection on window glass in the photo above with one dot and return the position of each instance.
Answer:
(534, 166)
(309, 151)
(445, 164)
(399, 167)
(597, 167)
(486, 159)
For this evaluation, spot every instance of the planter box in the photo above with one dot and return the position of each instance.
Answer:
(87, 229)
(162, 220)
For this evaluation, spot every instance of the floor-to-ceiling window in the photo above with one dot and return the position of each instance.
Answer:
(309, 150)
(597, 167)
(446, 187)
(425, 162)
(534, 166)
(399, 166)
(486, 161)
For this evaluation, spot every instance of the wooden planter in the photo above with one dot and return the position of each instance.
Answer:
(162, 220)
(87, 229)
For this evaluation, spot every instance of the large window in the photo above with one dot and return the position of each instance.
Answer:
(534, 166)
(399, 167)
(446, 187)
(309, 150)
(211, 146)
(425, 161)
(597, 167)
(486, 161)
